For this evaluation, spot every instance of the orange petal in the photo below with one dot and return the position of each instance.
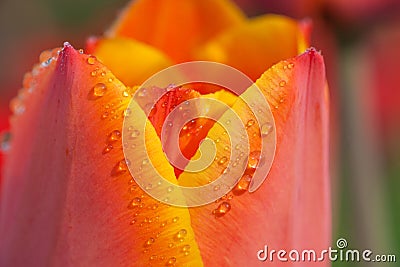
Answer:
(256, 45)
(176, 30)
(67, 197)
(291, 210)
(131, 61)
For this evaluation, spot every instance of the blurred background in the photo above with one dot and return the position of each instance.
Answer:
(360, 41)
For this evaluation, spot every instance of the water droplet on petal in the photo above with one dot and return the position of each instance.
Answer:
(250, 123)
(99, 89)
(135, 202)
(171, 261)
(107, 149)
(142, 92)
(91, 60)
(17, 106)
(266, 129)
(149, 242)
(282, 83)
(222, 209)
(127, 112)
(253, 160)
(135, 133)
(114, 136)
(119, 168)
(290, 65)
(222, 160)
(175, 219)
(243, 185)
(180, 235)
(186, 249)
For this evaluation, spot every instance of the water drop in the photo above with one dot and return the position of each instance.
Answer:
(17, 106)
(170, 189)
(114, 136)
(175, 219)
(222, 209)
(125, 93)
(135, 202)
(99, 89)
(242, 185)
(149, 242)
(253, 160)
(250, 123)
(135, 133)
(180, 235)
(91, 60)
(290, 65)
(107, 149)
(282, 83)
(119, 168)
(222, 160)
(127, 112)
(266, 129)
(142, 92)
(171, 261)
(186, 248)
(153, 257)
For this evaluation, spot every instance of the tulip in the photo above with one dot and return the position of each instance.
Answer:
(68, 198)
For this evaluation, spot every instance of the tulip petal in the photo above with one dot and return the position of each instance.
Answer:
(291, 210)
(131, 61)
(193, 23)
(67, 197)
(256, 45)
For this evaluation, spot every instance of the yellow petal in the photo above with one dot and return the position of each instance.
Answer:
(256, 45)
(131, 61)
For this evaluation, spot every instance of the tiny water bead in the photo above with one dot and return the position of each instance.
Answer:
(91, 60)
(149, 242)
(282, 83)
(253, 160)
(222, 209)
(175, 219)
(136, 202)
(17, 106)
(120, 168)
(114, 136)
(242, 186)
(107, 149)
(180, 235)
(99, 89)
(222, 160)
(171, 261)
(186, 250)
(250, 123)
(135, 133)
(266, 129)
(290, 65)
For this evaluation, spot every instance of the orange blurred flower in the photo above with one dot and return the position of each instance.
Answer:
(67, 196)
